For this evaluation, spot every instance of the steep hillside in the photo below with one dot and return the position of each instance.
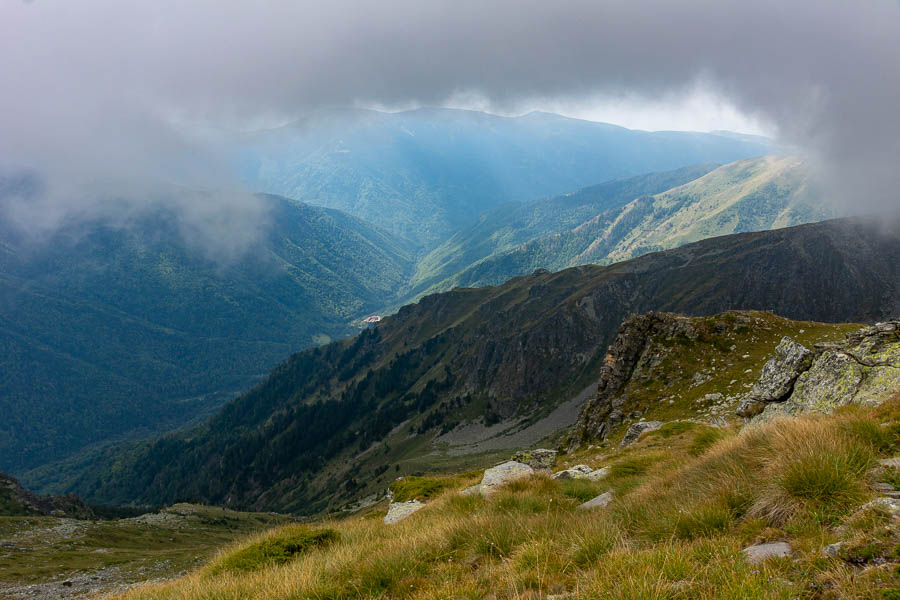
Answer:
(512, 225)
(328, 422)
(750, 195)
(422, 174)
(109, 330)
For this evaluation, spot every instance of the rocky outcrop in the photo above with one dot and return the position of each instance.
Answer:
(864, 369)
(780, 373)
(17, 501)
(632, 353)
(637, 430)
(497, 476)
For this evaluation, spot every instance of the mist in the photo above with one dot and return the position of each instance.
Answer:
(112, 102)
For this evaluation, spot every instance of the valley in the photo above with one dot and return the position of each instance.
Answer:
(73, 305)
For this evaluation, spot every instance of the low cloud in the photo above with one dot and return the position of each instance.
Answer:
(97, 93)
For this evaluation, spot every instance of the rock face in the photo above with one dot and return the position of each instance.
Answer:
(761, 552)
(17, 501)
(398, 511)
(539, 460)
(599, 502)
(629, 355)
(636, 430)
(864, 369)
(497, 476)
(780, 373)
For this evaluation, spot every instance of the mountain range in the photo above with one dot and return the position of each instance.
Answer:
(116, 330)
(626, 218)
(446, 376)
(425, 173)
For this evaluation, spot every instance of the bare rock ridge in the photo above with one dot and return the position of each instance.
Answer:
(629, 355)
(17, 501)
(864, 369)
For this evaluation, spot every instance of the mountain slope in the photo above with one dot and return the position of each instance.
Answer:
(422, 174)
(109, 331)
(749, 195)
(332, 418)
(512, 225)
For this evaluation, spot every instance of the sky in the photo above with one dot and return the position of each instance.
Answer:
(105, 98)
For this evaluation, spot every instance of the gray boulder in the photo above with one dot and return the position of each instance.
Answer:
(397, 511)
(496, 476)
(540, 459)
(637, 429)
(863, 370)
(761, 552)
(598, 474)
(576, 472)
(890, 463)
(778, 376)
(599, 502)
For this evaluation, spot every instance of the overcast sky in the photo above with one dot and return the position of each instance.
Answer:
(99, 89)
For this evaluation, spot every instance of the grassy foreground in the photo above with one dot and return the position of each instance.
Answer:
(688, 499)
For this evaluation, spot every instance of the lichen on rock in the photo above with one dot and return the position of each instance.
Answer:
(864, 370)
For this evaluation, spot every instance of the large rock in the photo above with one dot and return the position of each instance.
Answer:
(863, 370)
(496, 476)
(599, 502)
(759, 553)
(778, 376)
(637, 429)
(398, 511)
(541, 459)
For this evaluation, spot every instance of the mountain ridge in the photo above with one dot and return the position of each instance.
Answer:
(421, 174)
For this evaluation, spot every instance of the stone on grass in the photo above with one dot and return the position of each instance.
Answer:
(833, 549)
(576, 472)
(889, 504)
(890, 462)
(598, 502)
(598, 474)
(761, 552)
(637, 429)
(398, 511)
(497, 476)
(539, 460)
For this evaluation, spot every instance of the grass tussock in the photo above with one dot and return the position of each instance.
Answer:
(273, 548)
(685, 505)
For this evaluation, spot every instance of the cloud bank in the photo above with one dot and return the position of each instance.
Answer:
(99, 92)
